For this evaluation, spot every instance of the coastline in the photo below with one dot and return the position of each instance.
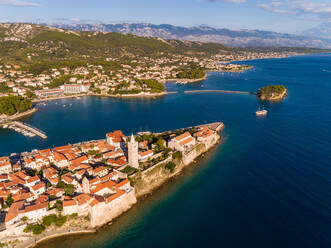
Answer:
(276, 98)
(58, 98)
(23, 114)
(185, 80)
(141, 94)
(179, 169)
(33, 241)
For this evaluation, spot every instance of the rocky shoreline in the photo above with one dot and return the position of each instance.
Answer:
(144, 182)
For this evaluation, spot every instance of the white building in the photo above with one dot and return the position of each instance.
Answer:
(182, 142)
(75, 88)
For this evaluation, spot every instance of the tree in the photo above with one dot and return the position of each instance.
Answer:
(69, 189)
(10, 105)
(159, 146)
(60, 220)
(193, 73)
(170, 166)
(177, 155)
(9, 201)
(48, 220)
(58, 205)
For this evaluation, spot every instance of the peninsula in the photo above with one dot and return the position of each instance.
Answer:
(77, 188)
(272, 93)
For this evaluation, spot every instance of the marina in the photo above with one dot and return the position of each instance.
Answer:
(24, 129)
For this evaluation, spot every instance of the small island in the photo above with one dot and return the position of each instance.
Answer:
(272, 92)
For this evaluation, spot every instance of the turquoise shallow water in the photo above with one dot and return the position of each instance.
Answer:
(267, 185)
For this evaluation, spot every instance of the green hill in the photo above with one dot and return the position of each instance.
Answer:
(28, 43)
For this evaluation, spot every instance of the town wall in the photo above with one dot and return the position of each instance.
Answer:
(103, 213)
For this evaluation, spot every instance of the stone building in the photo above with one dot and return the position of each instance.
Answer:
(133, 152)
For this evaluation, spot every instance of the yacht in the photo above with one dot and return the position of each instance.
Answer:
(261, 112)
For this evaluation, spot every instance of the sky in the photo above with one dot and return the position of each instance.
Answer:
(289, 16)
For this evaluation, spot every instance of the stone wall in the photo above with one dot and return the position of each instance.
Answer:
(147, 181)
(103, 213)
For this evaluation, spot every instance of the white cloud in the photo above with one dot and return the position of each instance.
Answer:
(299, 7)
(226, 1)
(275, 7)
(18, 3)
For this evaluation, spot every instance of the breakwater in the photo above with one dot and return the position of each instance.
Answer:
(222, 91)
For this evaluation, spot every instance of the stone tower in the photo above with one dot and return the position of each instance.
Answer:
(86, 185)
(133, 152)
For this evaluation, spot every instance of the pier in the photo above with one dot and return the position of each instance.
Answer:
(32, 129)
(223, 91)
(24, 129)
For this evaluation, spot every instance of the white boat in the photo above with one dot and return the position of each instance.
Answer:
(261, 112)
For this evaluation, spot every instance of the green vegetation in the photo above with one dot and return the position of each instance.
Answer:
(35, 229)
(59, 81)
(271, 92)
(10, 105)
(177, 155)
(49, 46)
(69, 189)
(129, 170)
(24, 219)
(170, 166)
(159, 146)
(154, 85)
(60, 220)
(4, 88)
(46, 222)
(49, 219)
(194, 73)
(9, 201)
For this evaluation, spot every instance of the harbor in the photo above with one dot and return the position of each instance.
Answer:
(22, 128)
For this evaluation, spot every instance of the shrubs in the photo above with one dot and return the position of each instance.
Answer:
(46, 222)
(177, 155)
(35, 229)
(60, 221)
(170, 166)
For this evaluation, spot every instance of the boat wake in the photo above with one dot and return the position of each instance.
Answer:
(326, 70)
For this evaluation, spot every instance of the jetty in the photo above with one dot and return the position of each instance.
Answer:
(25, 129)
(223, 91)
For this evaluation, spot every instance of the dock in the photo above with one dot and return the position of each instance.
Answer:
(24, 129)
(216, 126)
(223, 91)
(32, 129)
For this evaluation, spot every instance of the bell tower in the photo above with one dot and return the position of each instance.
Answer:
(133, 152)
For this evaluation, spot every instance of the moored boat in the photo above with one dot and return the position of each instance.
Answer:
(261, 112)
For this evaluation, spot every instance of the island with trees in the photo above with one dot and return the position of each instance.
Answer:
(272, 92)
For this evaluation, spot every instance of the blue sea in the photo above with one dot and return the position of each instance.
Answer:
(268, 184)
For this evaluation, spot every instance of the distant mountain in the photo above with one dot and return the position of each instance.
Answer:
(29, 43)
(323, 30)
(204, 34)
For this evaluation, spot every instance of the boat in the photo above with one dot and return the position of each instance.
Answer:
(64, 106)
(261, 112)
